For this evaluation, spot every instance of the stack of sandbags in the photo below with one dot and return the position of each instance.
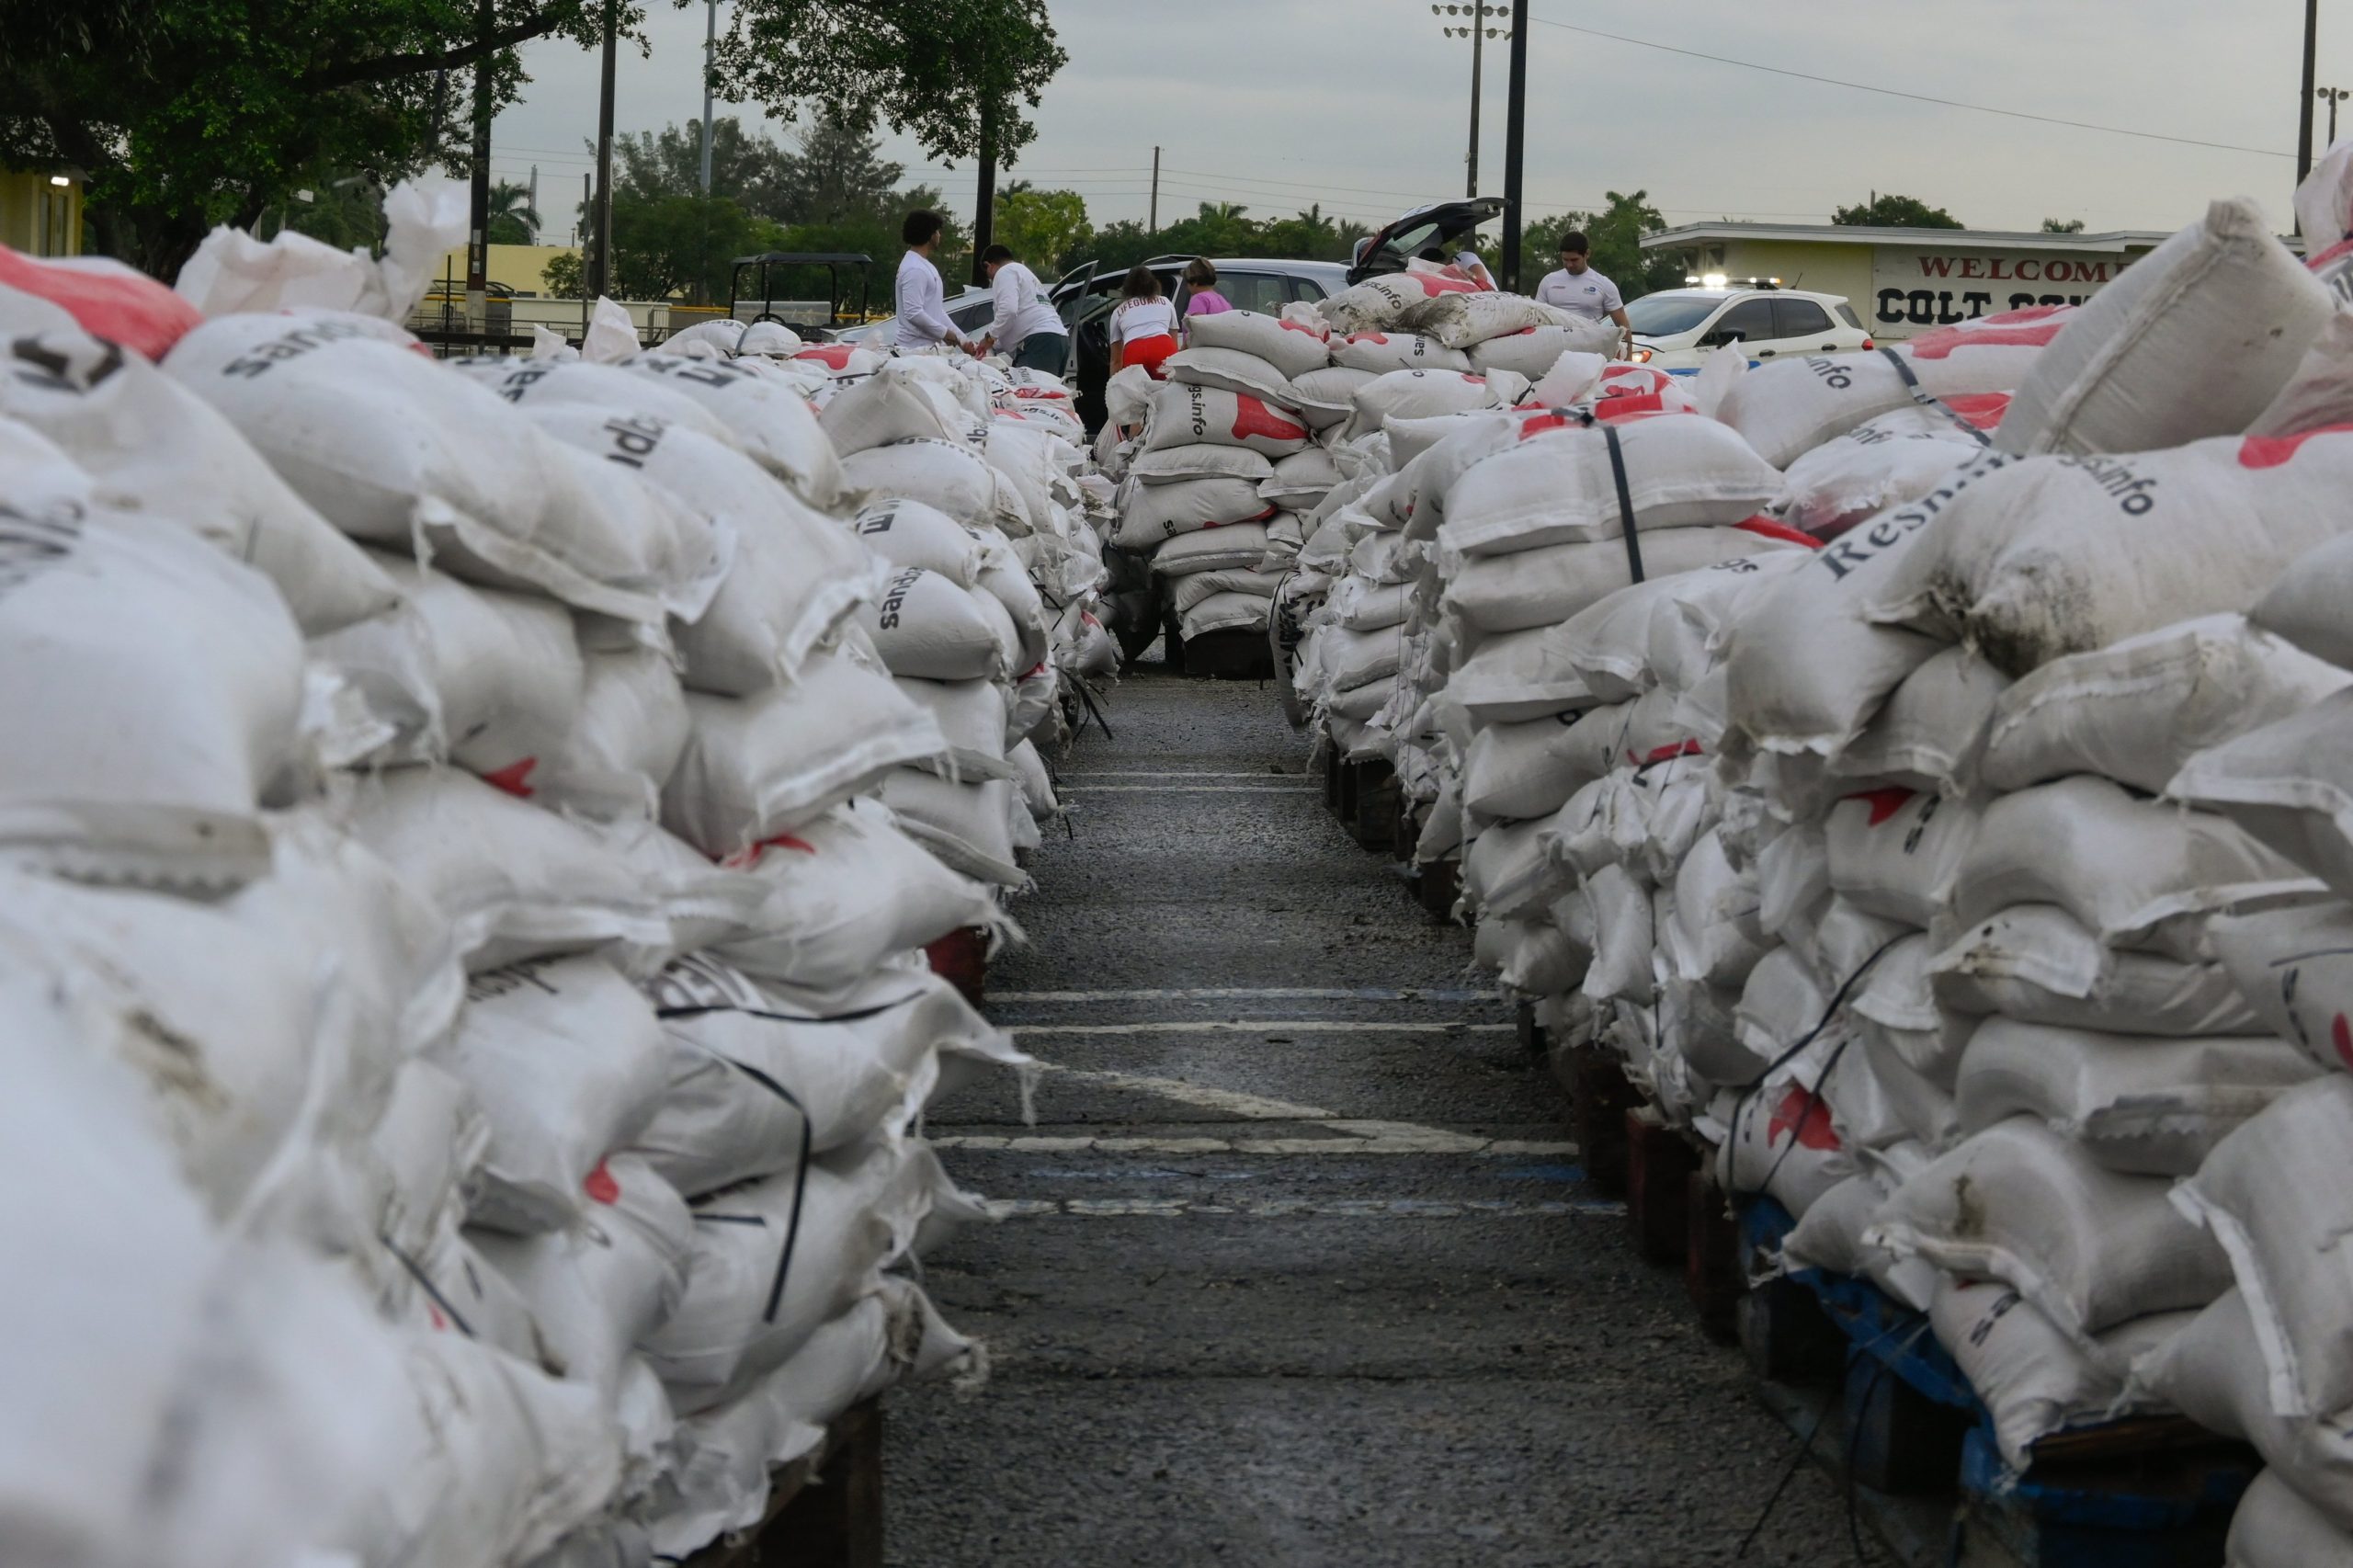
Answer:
(473, 931)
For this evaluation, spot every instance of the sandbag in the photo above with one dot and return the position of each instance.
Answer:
(2193, 339)
(1532, 351)
(2294, 968)
(1158, 512)
(948, 476)
(969, 826)
(565, 1059)
(1189, 415)
(1423, 394)
(2304, 606)
(2088, 1248)
(2033, 1380)
(768, 417)
(925, 627)
(755, 767)
(1382, 352)
(1327, 397)
(538, 387)
(895, 403)
(1558, 581)
(1230, 370)
(1558, 483)
(1897, 853)
(1291, 348)
(2274, 1527)
(1887, 461)
(1930, 733)
(2136, 710)
(2037, 964)
(1236, 546)
(1223, 612)
(2285, 784)
(1174, 465)
(631, 729)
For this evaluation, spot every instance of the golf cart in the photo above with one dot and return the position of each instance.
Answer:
(1441, 224)
(775, 286)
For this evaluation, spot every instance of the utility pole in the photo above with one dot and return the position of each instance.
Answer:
(600, 217)
(711, 45)
(1152, 225)
(2334, 97)
(1478, 39)
(478, 224)
(1515, 146)
(984, 198)
(2304, 130)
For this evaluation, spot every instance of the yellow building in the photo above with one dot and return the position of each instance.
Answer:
(520, 267)
(1901, 281)
(40, 211)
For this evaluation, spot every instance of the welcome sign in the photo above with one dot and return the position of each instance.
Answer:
(1914, 289)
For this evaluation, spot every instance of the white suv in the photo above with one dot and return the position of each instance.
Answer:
(1674, 326)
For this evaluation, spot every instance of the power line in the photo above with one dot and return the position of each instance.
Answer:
(1915, 97)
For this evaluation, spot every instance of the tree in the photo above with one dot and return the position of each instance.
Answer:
(206, 111)
(513, 220)
(1043, 227)
(746, 168)
(836, 174)
(1615, 234)
(2063, 225)
(563, 277)
(674, 245)
(1896, 212)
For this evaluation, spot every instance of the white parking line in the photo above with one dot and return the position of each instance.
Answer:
(1303, 1207)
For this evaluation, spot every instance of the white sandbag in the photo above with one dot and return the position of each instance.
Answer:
(2285, 783)
(1158, 512)
(2135, 712)
(2302, 607)
(2136, 873)
(631, 729)
(152, 445)
(1830, 1237)
(967, 825)
(1528, 769)
(1291, 348)
(1557, 485)
(910, 533)
(600, 1284)
(1661, 630)
(758, 1083)
(948, 476)
(2089, 1248)
(1230, 370)
(1194, 587)
(2054, 556)
(1714, 936)
(1517, 676)
(1423, 394)
(2194, 339)
(153, 687)
(2269, 1195)
(1623, 933)
(1558, 581)
(565, 1059)
(1382, 300)
(540, 386)
(2033, 1380)
(1932, 730)
(895, 403)
(1781, 1140)
(1382, 352)
(1896, 852)
(1189, 415)
(1528, 957)
(1532, 351)
(2037, 964)
(1327, 397)
(2291, 966)
(972, 716)
(2274, 1527)
(1302, 479)
(1505, 874)
(775, 1259)
(2134, 1103)
(755, 767)
(769, 420)
(1888, 461)
(1807, 666)
(927, 627)
(1223, 612)
(791, 579)
(1236, 547)
(394, 449)
(1789, 408)
(1465, 317)
(493, 681)
(1172, 465)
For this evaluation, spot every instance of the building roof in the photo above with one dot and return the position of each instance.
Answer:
(2118, 240)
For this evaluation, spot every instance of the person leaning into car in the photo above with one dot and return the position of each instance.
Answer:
(1024, 325)
(1577, 288)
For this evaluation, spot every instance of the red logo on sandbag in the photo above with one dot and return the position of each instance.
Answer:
(2341, 1037)
(1766, 527)
(1251, 417)
(1367, 337)
(600, 1186)
(1984, 410)
(2271, 452)
(833, 356)
(743, 859)
(1295, 327)
(1806, 1117)
(2032, 328)
(1885, 804)
(514, 777)
(1536, 422)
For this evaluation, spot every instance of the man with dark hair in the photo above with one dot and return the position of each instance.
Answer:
(921, 301)
(1024, 325)
(1577, 288)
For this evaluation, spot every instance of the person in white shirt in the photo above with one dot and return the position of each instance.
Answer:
(1468, 263)
(1024, 325)
(921, 301)
(1577, 288)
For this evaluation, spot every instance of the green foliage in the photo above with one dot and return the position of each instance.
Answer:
(205, 111)
(563, 277)
(2063, 225)
(837, 175)
(746, 167)
(512, 220)
(1615, 234)
(1896, 212)
(1041, 227)
(682, 245)
(1226, 230)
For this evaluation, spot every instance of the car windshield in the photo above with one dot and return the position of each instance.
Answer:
(1664, 315)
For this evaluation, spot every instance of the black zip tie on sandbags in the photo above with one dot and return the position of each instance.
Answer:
(431, 1290)
(1625, 500)
(1748, 1096)
(1929, 401)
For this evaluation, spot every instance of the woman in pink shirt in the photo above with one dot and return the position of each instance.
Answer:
(1204, 300)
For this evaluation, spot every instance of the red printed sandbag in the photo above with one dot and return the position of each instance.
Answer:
(111, 300)
(1185, 416)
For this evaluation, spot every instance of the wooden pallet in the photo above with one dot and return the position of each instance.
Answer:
(1239, 653)
(1437, 886)
(825, 1509)
(961, 958)
(1600, 1097)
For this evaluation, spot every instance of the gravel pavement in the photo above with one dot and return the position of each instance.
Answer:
(1302, 1269)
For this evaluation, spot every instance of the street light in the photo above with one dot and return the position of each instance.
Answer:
(1478, 32)
(2333, 97)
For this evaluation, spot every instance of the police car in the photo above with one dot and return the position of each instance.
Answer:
(1674, 327)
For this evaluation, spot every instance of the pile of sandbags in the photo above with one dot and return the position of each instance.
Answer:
(465, 862)
(1955, 845)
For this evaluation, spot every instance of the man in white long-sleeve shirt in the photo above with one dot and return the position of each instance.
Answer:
(922, 302)
(1026, 326)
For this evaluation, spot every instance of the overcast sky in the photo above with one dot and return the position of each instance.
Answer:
(1364, 106)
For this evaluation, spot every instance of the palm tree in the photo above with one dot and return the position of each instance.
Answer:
(512, 220)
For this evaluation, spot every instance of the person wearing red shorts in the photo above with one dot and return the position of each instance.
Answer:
(1143, 326)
